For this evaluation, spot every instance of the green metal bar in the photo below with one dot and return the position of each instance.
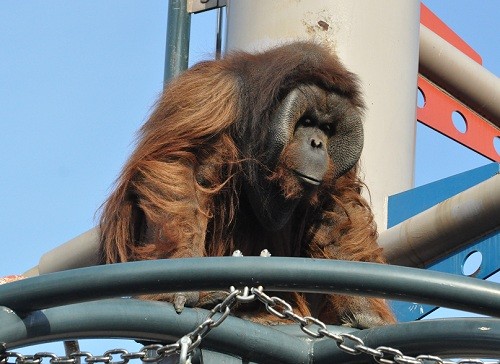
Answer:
(156, 321)
(151, 321)
(447, 338)
(178, 32)
(218, 33)
(274, 273)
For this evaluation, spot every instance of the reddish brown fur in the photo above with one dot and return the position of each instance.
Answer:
(179, 194)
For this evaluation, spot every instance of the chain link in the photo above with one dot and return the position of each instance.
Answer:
(185, 346)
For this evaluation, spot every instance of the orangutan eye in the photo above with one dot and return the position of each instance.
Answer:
(305, 121)
(328, 129)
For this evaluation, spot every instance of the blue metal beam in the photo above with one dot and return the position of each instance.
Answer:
(407, 204)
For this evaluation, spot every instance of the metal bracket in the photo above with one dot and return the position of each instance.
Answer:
(198, 6)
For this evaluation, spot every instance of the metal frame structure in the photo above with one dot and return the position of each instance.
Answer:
(237, 338)
(81, 251)
(57, 306)
(447, 226)
(274, 273)
(74, 304)
(452, 80)
(440, 225)
(476, 95)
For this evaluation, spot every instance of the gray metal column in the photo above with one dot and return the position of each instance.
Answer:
(178, 31)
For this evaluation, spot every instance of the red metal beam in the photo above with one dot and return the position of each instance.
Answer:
(479, 134)
(437, 113)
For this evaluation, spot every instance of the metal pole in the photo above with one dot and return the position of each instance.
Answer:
(178, 32)
(218, 38)
(236, 338)
(465, 79)
(78, 252)
(416, 242)
(274, 274)
(451, 224)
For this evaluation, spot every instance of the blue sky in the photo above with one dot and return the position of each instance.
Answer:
(78, 78)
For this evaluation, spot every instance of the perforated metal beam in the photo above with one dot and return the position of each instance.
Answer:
(440, 109)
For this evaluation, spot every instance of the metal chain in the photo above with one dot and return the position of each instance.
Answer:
(347, 342)
(186, 345)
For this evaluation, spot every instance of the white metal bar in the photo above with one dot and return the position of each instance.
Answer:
(459, 75)
(445, 227)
